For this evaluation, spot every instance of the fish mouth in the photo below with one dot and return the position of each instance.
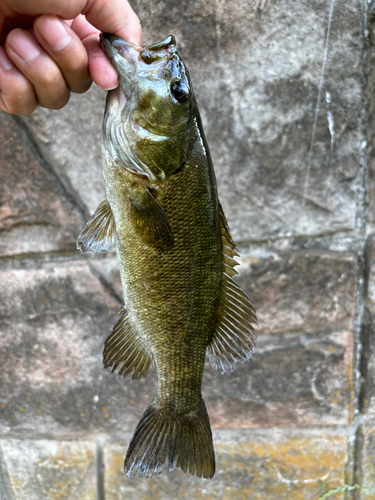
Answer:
(116, 49)
(113, 45)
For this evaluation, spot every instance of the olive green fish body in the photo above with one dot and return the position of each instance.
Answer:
(175, 253)
(172, 293)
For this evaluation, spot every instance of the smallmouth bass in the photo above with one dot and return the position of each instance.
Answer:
(175, 253)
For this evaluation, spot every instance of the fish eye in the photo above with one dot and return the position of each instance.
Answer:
(180, 91)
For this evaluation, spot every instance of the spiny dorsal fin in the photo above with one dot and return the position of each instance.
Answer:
(99, 234)
(125, 351)
(150, 221)
(234, 337)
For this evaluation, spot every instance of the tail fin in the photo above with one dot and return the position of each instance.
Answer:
(174, 440)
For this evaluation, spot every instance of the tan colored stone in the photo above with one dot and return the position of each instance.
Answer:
(368, 459)
(267, 465)
(50, 470)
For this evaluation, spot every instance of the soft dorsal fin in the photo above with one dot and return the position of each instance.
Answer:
(99, 234)
(234, 337)
(125, 350)
(149, 220)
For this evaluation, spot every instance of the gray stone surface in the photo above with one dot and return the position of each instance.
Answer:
(291, 380)
(287, 287)
(35, 215)
(53, 323)
(70, 139)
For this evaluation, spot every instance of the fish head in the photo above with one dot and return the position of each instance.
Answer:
(152, 106)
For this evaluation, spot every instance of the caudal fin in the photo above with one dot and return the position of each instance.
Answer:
(171, 440)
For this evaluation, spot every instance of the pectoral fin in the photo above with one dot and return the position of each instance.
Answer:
(99, 234)
(234, 337)
(150, 221)
(124, 350)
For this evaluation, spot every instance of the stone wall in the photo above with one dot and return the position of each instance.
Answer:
(286, 91)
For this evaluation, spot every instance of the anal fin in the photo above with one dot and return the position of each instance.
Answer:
(125, 351)
(234, 337)
(99, 234)
(150, 221)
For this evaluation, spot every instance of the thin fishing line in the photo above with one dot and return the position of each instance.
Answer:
(317, 108)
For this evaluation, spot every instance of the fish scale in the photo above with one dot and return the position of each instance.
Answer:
(175, 253)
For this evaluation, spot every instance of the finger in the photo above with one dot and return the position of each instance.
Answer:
(101, 70)
(67, 9)
(38, 67)
(17, 95)
(66, 49)
(115, 17)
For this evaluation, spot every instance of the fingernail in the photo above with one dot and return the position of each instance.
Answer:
(5, 63)
(110, 88)
(54, 32)
(23, 45)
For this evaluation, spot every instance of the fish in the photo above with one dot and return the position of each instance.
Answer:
(175, 252)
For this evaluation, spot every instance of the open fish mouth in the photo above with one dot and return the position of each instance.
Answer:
(112, 44)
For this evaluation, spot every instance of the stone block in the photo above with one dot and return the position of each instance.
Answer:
(291, 380)
(47, 470)
(299, 290)
(54, 321)
(35, 215)
(261, 465)
(370, 127)
(70, 139)
(259, 108)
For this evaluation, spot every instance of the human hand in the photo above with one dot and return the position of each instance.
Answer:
(49, 48)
